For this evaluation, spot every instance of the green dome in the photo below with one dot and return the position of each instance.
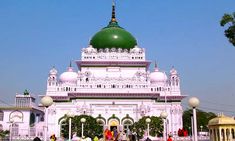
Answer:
(113, 36)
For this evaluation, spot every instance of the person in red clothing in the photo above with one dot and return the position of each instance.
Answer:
(169, 138)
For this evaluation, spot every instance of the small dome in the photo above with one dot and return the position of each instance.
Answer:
(157, 76)
(221, 119)
(53, 71)
(173, 71)
(69, 76)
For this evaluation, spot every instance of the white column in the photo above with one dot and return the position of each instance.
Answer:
(164, 130)
(82, 130)
(192, 132)
(46, 124)
(195, 124)
(70, 122)
(148, 129)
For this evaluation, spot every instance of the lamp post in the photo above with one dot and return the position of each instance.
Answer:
(46, 101)
(70, 115)
(148, 120)
(194, 102)
(164, 115)
(83, 120)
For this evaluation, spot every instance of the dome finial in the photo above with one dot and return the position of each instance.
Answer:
(113, 19)
(155, 66)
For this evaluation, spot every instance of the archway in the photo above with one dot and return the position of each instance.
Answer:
(113, 124)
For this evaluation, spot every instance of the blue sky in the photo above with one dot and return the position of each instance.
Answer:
(38, 34)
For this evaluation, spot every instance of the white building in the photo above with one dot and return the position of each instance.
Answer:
(114, 84)
(24, 119)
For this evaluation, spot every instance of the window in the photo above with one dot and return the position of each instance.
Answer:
(1, 115)
(126, 125)
(15, 129)
(32, 119)
(101, 122)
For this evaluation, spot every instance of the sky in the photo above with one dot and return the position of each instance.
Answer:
(36, 35)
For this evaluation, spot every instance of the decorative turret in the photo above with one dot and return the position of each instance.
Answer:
(174, 80)
(174, 77)
(52, 78)
(113, 36)
(52, 81)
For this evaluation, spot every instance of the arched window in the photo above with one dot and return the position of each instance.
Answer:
(126, 124)
(1, 115)
(32, 119)
(233, 135)
(63, 126)
(101, 123)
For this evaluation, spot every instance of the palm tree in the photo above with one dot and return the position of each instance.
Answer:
(229, 19)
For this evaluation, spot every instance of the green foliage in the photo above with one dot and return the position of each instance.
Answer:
(229, 19)
(3, 133)
(26, 92)
(155, 126)
(202, 119)
(91, 127)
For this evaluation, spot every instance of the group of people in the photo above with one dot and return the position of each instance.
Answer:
(52, 138)
(115, 135)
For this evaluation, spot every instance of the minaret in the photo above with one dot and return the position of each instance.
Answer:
(174, 81)
(52, 80)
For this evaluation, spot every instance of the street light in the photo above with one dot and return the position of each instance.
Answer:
(194, 102)
(164, 115)
(201, 127)
(46, 101)
(70, 115)
(83, 120)
(148, 120)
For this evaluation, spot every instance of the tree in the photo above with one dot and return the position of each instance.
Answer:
(3, 133)
(202, 119)
(229, 19)
(91, 127)
(155, 126)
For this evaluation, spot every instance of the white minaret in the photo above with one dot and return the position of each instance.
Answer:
(52, 81)
(174, 81)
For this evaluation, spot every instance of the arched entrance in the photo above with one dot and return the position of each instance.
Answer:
(113, 124)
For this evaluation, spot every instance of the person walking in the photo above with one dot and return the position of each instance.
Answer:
(169, 138)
